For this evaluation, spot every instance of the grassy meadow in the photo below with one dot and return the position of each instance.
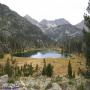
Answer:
(60, 64)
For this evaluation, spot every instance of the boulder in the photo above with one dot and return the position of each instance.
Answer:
(4, 79)
(55, 86)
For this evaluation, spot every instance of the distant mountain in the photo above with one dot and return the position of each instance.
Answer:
(80, 25)
(16, 30)
(62, 31)
(53, 23)
(34, 22)
(58, 29)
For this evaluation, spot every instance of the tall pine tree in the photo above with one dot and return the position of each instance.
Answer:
(49, 70)
(69, 70)
(8, 69)
(87, 36)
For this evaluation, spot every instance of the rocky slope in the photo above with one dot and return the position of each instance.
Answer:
(80, 25)
(31, 20)
(58, 29)
(63, 31)
(14, 28)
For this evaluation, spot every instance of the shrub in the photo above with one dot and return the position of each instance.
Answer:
(1, 55)
(11, 80)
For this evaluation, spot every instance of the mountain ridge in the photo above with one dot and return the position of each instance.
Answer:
(55, 22)
(17, 32)
(56, 29)
(14, 29)
(52, 23)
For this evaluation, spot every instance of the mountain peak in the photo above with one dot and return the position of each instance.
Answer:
(61, 21)
(3, 8)
(27, 16)
(80, 25)
(31, 20)
(53, 23)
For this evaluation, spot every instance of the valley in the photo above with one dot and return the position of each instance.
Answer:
(24, 38)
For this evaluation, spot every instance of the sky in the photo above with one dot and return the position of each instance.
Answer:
(71, 10)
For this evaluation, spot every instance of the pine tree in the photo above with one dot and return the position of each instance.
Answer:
(69, 70)
(49, 70)
(36, 68)
(8, 69)
(87, 45)
(87, 36)
(1, 70)
(30, 69)
(44, 71)
(16, 71)
(44, 68)
(19, 71)
(24, 70)
(87, 48)
(73, 75)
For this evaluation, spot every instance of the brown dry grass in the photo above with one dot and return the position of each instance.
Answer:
(60, 64)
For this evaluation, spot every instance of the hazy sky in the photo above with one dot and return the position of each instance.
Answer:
(71, 10)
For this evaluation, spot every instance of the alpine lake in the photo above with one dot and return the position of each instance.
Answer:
(41, 54)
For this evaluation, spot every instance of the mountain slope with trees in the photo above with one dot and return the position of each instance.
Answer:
(17, 33)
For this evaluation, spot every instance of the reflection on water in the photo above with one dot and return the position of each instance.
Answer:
(47, 55)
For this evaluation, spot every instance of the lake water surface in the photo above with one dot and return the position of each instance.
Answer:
(48, 54)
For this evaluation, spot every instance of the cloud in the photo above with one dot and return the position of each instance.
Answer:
(71, 10)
